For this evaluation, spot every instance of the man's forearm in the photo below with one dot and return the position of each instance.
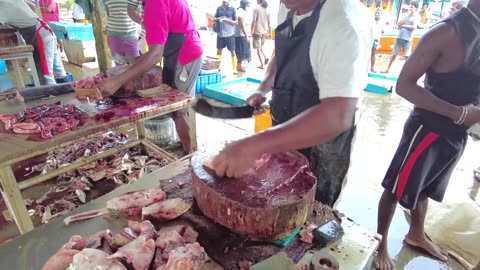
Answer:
(231, 22)
(424, 99)
(143, 64)
(317, 125)
(268, 82)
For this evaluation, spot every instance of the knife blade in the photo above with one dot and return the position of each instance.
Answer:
(203, 107)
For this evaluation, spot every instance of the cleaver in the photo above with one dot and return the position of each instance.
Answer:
(203, 107)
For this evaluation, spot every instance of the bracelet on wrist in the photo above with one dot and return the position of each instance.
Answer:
(462, 117)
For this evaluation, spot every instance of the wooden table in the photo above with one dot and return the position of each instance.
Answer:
(16, 53)
(30, 251)
(17, 147)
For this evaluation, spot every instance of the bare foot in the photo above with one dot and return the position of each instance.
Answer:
(428, 246)
(383, 261)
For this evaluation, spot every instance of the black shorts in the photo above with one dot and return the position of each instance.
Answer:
(423, 164)
(228, 42)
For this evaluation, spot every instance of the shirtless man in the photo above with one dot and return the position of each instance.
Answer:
(434, 135)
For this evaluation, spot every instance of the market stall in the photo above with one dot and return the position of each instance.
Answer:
(21, 142)
(225, 249)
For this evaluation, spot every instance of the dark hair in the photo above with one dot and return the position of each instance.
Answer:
(244, 4)
(263, 3)
(415, 4)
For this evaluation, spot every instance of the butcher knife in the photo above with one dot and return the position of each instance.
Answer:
(203, 107)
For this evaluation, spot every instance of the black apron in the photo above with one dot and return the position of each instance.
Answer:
(170, 57)
(295, 91)
(29, 34)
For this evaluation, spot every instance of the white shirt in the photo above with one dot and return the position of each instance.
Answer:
(340, 48)
(243, 14)
(17, 13)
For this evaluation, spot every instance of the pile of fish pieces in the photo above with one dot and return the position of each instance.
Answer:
(63, 156)
(46, 120)
(71, 188)
(139, 246)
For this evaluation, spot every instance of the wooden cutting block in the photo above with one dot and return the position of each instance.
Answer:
(269, 203)
(88, 92)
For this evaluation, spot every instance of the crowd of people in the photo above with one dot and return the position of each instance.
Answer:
(240, 29)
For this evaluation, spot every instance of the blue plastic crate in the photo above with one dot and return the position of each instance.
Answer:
(381, 76)
(379, 86)
(72, 31)
(3, 67)
(206, 80)
(216, 91)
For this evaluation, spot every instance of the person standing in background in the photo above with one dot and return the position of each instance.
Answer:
(121, 32)
(227, 17)
(37, 33)
(50, 12)
(135, 11)
(242, 35)
(172, 38)
(260, 28)
(405, 34)
(377, 35)
(425, 14)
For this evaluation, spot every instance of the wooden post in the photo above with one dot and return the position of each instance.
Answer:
(99, 22)
(14, 200)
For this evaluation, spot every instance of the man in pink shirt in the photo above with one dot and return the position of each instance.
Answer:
(171, 35)
(49, 10)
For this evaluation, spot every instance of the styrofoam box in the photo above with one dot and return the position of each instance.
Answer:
(79, 52)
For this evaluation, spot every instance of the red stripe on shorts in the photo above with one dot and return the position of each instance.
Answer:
(407, 169)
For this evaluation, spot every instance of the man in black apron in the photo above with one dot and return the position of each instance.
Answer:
(171, 36)
(321, 129)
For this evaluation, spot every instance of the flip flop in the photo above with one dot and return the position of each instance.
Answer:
(260, 67)
(266, 61)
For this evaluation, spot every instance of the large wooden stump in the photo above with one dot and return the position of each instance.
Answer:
(267, 204)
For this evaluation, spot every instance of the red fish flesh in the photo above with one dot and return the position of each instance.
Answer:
(131, 203)
(46, 120)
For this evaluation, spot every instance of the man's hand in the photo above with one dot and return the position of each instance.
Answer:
(235, 159)
(109, 86)
(473, 115)
(256, 100)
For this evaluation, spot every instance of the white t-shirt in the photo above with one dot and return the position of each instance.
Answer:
(340, 48)
(243, 14)
(17, 13)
